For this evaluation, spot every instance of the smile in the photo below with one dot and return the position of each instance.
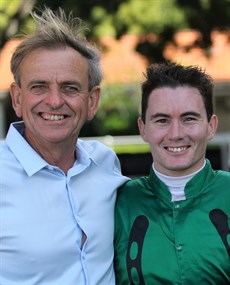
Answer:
(52, 117)
(176, 149)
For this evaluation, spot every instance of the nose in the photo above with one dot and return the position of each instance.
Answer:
(175, 131)
(54, 98)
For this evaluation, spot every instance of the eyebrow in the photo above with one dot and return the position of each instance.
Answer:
(191, 113)
(36, 82)
(70, 82)
(157, 115)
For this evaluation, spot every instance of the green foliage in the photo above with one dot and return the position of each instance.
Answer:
(144, 17)
(118, 112)
(103, 22)
(206, 16)
(14, 16)
(118, 17)
(7, 9)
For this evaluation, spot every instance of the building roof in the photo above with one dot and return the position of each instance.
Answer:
(123, 64)
(6, 77)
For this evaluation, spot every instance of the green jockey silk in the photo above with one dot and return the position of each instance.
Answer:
(159, 242)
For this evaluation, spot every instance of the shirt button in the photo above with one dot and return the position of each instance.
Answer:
(177, 206)
(179, 248)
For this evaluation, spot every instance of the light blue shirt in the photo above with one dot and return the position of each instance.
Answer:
(43, 213)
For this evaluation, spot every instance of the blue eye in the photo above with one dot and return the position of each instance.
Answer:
(72, 90)
(162, 121)
(188, 119)
(34, 87)
(38, 89)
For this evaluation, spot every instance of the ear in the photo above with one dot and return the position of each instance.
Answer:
(141, 126)
(212, 128)
(16, 98)
(93, 102)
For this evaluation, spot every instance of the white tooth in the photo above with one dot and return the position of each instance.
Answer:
(176, 149)
(53, 117)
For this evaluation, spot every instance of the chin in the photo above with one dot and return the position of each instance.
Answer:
(180, 168)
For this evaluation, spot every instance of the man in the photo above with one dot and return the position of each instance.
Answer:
(173, 226)
(57, 192)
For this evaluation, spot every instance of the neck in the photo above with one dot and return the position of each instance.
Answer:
(62, 155)
(177, 178)
(176, 185)
(62, 160)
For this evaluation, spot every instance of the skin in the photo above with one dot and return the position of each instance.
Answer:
(54, 102)
(177, 130)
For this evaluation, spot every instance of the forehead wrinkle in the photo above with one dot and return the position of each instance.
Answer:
(52, 81)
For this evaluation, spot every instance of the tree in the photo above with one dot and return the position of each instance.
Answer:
(164, 18)
(206, 16)
(156, 22)
(13, 15)
(142, 17)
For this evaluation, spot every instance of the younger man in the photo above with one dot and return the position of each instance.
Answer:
(173, 226)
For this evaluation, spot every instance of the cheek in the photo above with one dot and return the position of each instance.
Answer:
(153, 136)
(199, 134)
(28, 105)
(79, 108)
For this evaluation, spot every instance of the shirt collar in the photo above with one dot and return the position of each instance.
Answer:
(30, 160)
(85, 152)
(192, 189)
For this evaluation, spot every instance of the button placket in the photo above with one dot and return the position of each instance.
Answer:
(176, 212)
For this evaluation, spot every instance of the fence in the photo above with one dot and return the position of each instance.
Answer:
(135, 157)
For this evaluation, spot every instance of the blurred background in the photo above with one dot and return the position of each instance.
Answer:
(132, 34)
